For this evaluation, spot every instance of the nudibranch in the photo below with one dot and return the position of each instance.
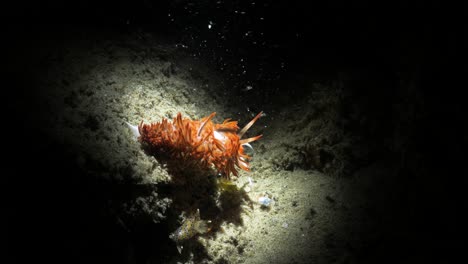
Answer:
(202, 142)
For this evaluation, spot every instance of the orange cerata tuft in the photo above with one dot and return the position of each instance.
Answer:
(200, 141)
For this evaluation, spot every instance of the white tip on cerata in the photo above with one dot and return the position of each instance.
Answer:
(134, 129)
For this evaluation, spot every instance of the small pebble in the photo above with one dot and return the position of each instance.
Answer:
(265, 201)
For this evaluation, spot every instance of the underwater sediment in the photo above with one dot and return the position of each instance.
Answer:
(344, 172)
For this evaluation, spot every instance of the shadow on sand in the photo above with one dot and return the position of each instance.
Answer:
(192, 188)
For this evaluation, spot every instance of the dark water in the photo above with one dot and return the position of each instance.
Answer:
(394, 64)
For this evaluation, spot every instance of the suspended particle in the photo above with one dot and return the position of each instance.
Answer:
(247, 88)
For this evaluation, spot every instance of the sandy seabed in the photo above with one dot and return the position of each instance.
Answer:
(321, 209)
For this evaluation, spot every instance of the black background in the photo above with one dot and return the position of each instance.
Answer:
(385, 41)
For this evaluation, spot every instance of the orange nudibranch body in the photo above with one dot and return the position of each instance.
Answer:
(200, 141)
